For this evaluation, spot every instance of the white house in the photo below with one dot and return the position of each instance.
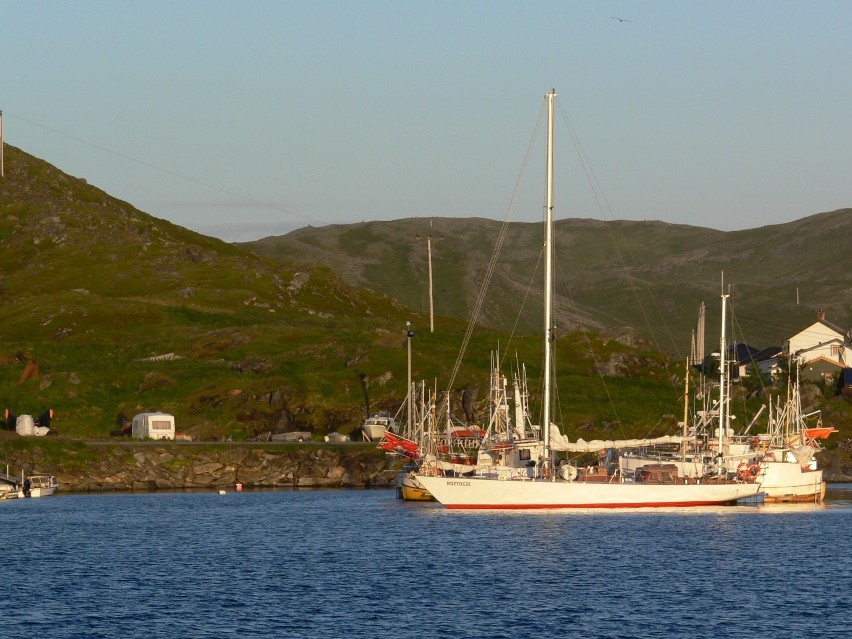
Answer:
(822, 348)
(768, 362)
(153, 426)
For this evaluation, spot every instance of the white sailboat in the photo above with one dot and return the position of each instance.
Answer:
(553, 487)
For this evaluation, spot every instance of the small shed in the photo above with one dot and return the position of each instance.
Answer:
(821, 369)
(153, 426)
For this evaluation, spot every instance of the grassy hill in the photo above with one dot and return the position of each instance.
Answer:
(648, 275)
(95, 291)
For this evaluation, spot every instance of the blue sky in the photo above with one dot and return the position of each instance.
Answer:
(248, 119)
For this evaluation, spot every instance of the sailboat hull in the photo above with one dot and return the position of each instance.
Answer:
(486, 493)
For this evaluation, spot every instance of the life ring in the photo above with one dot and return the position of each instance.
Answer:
(753, 470)
(568, 472)
(742, 470)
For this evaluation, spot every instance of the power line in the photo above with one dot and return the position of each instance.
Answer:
(170, 172)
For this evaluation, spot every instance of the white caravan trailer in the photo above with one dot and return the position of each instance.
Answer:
(153, 426)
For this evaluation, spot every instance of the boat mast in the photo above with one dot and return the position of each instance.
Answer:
(723, 381)
(685, 431)
(548, 278)
(408, 399)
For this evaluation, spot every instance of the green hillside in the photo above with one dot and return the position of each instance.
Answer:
(123, 312)
(648, 275)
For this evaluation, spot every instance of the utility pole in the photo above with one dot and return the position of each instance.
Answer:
(431, 296)
(431, 309)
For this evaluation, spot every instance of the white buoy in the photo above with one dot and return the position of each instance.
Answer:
(221, 492)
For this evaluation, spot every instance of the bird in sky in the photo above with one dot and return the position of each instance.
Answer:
(620, 19)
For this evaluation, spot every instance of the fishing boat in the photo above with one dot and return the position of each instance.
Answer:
(787, 452)
(782, 459)
(409, 489)
(38, 486)
(422, 443)
(375, 426)
(8, 491)
(546, 484)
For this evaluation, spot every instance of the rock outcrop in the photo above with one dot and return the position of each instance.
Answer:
(174, 466)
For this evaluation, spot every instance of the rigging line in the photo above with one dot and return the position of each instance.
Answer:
(494, 255)
(762, 323)
(169, 171)
(735, 321)
(604, 206)
(591, 350)
(586, 167)
(734, 360)
(601, 199)
(523, 304)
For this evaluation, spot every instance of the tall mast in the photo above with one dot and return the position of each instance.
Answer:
(723, 382)
(548, 277)
(685, 431)
(409, 334)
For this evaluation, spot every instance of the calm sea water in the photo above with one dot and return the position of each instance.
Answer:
(363, 564)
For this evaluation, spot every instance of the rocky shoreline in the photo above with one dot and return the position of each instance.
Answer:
(109, 467)
(148, 467)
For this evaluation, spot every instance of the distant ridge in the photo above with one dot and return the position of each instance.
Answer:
(648, 275)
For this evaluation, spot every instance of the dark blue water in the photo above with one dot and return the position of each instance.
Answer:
(362, 564)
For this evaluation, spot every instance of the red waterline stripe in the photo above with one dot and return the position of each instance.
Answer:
(662, 504)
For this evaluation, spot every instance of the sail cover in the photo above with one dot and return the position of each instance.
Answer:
(558, 441)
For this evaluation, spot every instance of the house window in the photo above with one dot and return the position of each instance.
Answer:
(835, 350)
